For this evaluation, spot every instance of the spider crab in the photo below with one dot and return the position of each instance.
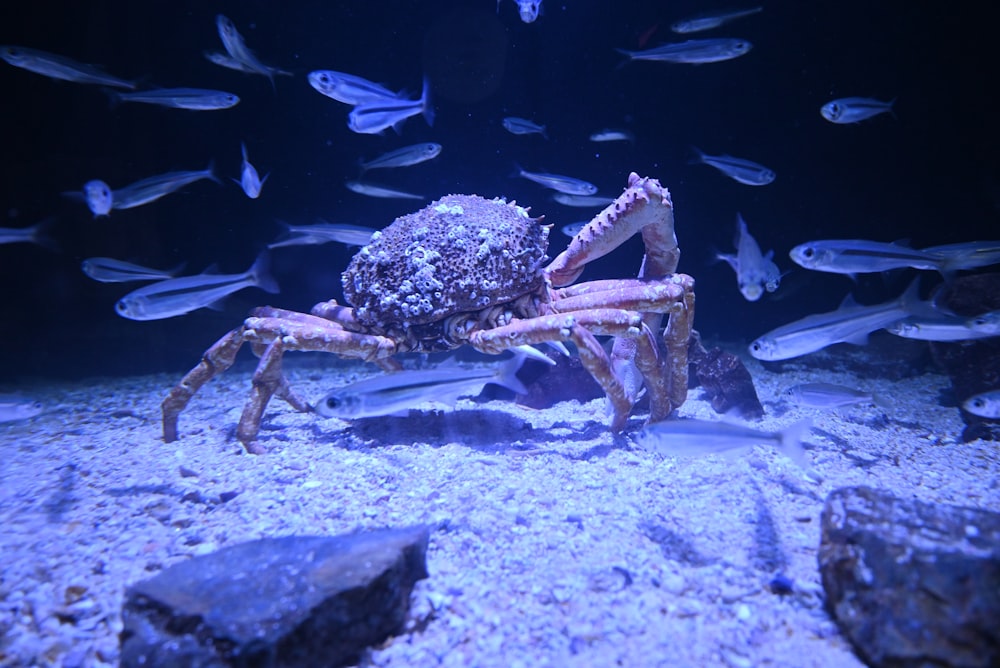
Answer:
(470, 271)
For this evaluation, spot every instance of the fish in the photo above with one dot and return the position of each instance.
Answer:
(859, 256)
(195, 99)
(227, 61)
(404, 157)
(939, 327)
(250, 180)
(110, 270)
(696, 438)
(242, 57)
(828, 395)
(988, 323)
(374, 190)
(573, 229)
(693, 51)
(14, 407)
(374, 116)
(609, 134)
(60, 67)
(33, 234)
(744, 171)
(984, 404)
(321, 233)
(850, 323)
(348, 88)
(528, 10)
(855, 109)
(582, 201)
(179, 296)
(564, 184)
(402, 390)
(711, 20)
(101, 198)
(966, 254)
(522, 126)
(755, 272)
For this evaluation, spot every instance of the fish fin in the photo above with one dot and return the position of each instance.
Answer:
(114, 97)
(506, 374)
(731, 260)
(236, 181)
(858, 339)
(791, 442)
(892, 109)
(243, 150)
(533, 353)
(882, 401)
(217, 305)
(41, 234)
(211, 171)
(260, 273)
(428, 106)
(699, 156)
(629, 56)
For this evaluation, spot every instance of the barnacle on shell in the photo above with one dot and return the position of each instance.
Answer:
(418, 269)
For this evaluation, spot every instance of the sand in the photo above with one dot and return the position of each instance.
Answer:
(554, 542)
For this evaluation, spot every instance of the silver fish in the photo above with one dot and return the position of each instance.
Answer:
(99, 197)
(854, 109)
(745, 171)
(144, 191)
(60, 67)
(985, 404)
(250, 180)
(195, 99)
(858, 256)
(522, 126)
(755, 272)
(573, 229)
(348, 88)
(938, 327)
(178, 296)
(110, 270)
(34, 234)
(374, 190)
(609, 134)
(828, 395)
(402, 390)
(374, 116)
(563, 184)
(693, 51)
(709, 21)
(582, 201)
(987, 323)
(696, 438)
(227, 61)
(404, 157)
(321, 233)
(14, 407)
(850, 323)
(241, 56)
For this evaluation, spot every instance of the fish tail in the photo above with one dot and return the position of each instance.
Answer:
(260, 274)
(791, 442)
(881, 401)
(114, 97)
(699, 156)
(506, 374)
(428, 108)
(243, 150)
(629, 55)
(210, 172)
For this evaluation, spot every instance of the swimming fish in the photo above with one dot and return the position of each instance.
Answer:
(522, 126)
(854, 109)
(321, 233)
(375, 115)
(859, 256)
(609, 134)
(110, 270)
(696, 438)
(195, 99)
(374, 190)
(35, 234)
(746, 172)
(755, 272)
(940, 327)
(250, 180)
(987, 323)
(101, 198)
(850, 323)
(693, 51)
(985, 404)
(242, 58)
(14, 407)
(828, 395)
(402, 390)
(178, 296)
(582, 201)
(708, 21)
(404, 157)
(60, 67)
(563, 184)
(348, 88)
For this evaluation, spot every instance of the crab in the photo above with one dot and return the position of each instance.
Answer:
(471, 271)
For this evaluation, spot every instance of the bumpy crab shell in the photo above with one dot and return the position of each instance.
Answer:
(460, 253)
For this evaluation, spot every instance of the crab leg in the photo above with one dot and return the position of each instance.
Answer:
(267, 379)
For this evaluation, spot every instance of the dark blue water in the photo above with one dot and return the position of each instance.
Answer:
(930, 175)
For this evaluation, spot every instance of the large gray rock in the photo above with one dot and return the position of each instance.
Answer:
(912, 583)
(279, 602)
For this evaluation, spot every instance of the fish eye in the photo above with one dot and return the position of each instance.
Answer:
(808, 252)
(977, 403)
(332, 402)
(121, 306)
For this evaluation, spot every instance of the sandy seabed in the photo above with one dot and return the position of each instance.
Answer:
(553, 543)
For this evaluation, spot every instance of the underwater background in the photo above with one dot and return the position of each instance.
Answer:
(928, 174)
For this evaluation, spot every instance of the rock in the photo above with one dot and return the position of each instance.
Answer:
(912, 583)
(972, 366)
(724, 378)
(282, 602)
